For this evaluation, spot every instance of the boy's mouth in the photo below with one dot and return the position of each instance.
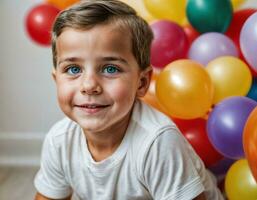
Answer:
(92, 106)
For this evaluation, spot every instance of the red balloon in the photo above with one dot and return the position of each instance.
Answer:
(191, 33)
(39, 22)
(170, 43)
(195, 132)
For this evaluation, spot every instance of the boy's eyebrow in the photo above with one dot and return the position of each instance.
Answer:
(114, 58)
(107, 58)
(70, 59)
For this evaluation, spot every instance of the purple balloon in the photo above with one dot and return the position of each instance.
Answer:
(226, 123)
(209, 46)
(221, 167)
(248, 40)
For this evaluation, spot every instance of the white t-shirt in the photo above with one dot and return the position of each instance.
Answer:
(153, 161)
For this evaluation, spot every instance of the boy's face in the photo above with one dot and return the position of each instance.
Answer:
(98, 77)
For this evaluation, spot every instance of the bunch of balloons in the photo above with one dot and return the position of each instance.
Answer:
(205, 80)
(39, 20)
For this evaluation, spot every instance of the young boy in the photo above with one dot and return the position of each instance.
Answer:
(112, 145)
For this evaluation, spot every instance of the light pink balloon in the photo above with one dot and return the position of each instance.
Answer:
(248, 41)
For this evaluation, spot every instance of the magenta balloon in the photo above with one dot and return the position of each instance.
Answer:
(209, 46)
(170, 43)
(248, 41)
(226, 123)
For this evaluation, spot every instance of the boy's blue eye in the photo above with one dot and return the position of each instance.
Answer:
(110, 69)
(73, 70)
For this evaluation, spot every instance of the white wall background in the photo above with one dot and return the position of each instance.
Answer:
(28, 105)
(27, 101)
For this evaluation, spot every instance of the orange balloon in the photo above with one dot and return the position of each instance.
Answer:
(250, 141)
(153, 101)
(62, 4)
(150, 97)
(185, 89)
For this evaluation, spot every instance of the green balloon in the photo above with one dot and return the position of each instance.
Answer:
(209, 15)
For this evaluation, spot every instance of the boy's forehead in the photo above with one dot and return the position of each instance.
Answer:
(113, 30)
(100, 38)
(105, 33)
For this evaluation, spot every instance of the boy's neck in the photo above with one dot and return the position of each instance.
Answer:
(103, 145)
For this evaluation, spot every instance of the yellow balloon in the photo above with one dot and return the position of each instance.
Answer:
(174, 10)
(185, 89)
(239, 182)
(139, 6)
(231, 77)
(237, 3)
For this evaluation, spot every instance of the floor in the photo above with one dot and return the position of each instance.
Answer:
(17, 183)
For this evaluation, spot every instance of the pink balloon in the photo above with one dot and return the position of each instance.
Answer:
(248, 41)
(209, 46)
(170, 43)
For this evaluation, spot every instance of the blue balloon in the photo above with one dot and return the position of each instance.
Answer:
(226, 123)
(253, 90)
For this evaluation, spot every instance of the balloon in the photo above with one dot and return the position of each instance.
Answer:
(62, 4)
(231, 77)
(39, 22)
(139, 6)
(209, 15)
(195, 132)
(238, 20)
(239, 182)
(248, 40)
(220, 168)
(209, 46)
(170, 43)
(191, 33)
(226, 123)
(254, 73)
(233, 32)
(253, 90)
(185, 89)
(250, 141)
(237, 3)
(172, 10)
(150, 97)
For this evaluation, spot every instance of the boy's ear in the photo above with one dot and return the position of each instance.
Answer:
(54, 74)
(145, 80)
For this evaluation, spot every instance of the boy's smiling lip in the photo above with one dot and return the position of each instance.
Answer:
(91, 108)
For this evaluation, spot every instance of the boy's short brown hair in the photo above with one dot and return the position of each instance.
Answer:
(89, 13)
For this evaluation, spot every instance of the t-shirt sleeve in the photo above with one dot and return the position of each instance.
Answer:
(50, 180)
(168, 169)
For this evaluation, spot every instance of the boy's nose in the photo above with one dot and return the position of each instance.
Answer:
(90, 85)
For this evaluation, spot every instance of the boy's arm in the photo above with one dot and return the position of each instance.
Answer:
(41, 197)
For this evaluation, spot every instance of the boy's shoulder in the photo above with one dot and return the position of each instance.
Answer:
(63, 126)
(150, 119)
(148, 124)
(62, 131)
